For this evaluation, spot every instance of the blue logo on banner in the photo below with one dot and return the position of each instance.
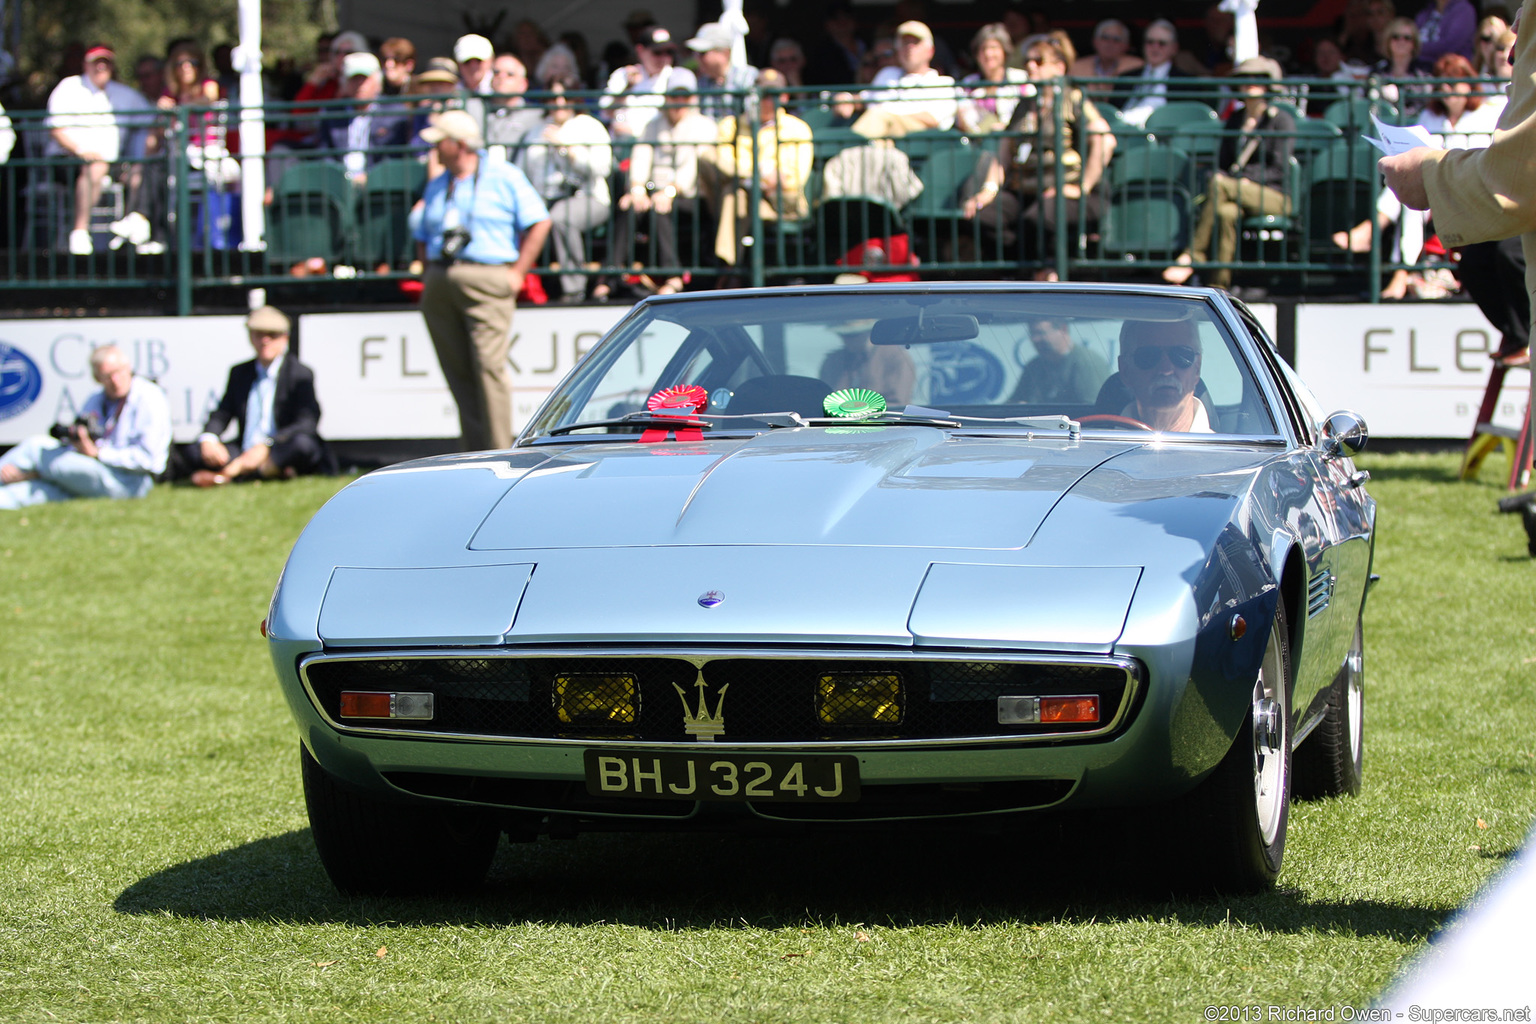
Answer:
(20, 381)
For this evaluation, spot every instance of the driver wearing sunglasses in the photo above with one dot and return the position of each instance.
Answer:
(1160, 364)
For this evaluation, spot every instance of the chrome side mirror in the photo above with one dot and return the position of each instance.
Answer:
(1344, 433)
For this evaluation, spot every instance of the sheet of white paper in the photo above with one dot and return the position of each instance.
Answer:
(1399, 139)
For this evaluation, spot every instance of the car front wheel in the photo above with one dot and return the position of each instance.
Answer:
(373, 847)
(1238, 816)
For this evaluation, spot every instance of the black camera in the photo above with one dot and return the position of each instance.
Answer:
(454, 241)
(66, 431)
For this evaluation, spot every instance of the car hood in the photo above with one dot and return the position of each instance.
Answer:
(858, 486)
(904, 535)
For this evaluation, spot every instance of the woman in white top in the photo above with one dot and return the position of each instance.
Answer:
(569, 163)
(986, 105)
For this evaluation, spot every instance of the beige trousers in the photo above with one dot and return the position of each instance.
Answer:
(1227, 201)
(468, 309)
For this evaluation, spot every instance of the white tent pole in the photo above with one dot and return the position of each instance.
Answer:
(253, 129)
(1245, 28)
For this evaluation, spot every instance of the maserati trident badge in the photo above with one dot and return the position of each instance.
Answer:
(710, 598)
(703, 726)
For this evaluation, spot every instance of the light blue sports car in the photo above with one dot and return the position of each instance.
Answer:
(867, 557)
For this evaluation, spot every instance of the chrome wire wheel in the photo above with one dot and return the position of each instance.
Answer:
(1271, 740)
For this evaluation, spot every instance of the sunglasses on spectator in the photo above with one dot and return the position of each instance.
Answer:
(1159, 42)
(1147, 357)
(1115, 39)
(1403, 36)
(1487, 39)
(189, 60)
(1039, 58)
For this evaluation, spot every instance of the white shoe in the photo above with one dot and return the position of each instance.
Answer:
(150, 248)
(80, 243)
(133, 228)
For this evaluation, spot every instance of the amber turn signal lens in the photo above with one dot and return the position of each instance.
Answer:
(597, 699)
(1065, 710)
(367, 704)
(856, 699)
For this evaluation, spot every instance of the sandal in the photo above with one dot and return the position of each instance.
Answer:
(671, 286)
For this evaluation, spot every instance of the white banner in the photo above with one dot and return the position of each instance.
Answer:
(1412, 370)
(45, 371)
(377, 376)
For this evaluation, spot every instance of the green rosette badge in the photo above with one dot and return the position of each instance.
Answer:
(854, 404)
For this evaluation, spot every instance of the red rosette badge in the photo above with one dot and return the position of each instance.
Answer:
(684, 400)
(688, 397)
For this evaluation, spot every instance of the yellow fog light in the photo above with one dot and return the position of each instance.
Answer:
(858, 699)
(596, 699)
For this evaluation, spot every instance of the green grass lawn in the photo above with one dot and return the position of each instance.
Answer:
(155, 861)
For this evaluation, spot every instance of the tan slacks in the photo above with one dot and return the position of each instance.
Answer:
(1227, 201)
(468, 309)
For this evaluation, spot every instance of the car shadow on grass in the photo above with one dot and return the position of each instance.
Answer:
(765, 881)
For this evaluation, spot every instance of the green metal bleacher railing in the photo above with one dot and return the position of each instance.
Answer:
(342, 231)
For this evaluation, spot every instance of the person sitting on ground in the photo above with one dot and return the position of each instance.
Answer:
(1160, 366)
(912, 96)
(89, 117)
(1254, 158)
(271, 401)
(114, 449)
(860, 363)
(1062, 370)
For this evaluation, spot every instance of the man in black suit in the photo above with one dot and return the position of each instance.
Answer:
(271, 399)
(1146, 89)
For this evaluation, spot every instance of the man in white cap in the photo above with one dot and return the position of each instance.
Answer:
(912, 96)
(271, 401)
(482, 228)
(86, 121)
(474, 54)
(114, 448)
(635, 92)
(721, 83)
(366, 136)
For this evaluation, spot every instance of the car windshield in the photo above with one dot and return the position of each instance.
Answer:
(1106, 359)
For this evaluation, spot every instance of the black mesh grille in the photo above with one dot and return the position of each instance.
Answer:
(757, 700)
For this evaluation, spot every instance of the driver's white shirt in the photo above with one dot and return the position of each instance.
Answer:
(1201, 424)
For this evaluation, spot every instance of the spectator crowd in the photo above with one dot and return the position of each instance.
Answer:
(653, 156)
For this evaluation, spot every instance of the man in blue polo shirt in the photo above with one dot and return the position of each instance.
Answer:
(482, 228)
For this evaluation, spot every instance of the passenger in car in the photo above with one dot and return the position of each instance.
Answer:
(862, 364)
(1160, 364)
(1062, 370)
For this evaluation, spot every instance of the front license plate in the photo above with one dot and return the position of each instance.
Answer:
(776, 778)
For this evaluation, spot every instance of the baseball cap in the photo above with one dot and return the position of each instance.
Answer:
(363, 63)
(712, 36)
(458, 125)
(439, 69)
(657, 38)
(269, 319)
(473, 47)
(916, 29)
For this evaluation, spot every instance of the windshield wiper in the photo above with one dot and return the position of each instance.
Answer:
(636, 419)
